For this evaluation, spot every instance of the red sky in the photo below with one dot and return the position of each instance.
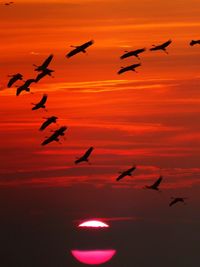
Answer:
(149, 119)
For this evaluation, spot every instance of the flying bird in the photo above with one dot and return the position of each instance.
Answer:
(43, 73)
(134, 53)
(25, 86)
(14, 78)
(177, 199)
(194, 42)
(126, 173)
(47, 122)
(55, 136)
(155, 186)
(161, 46)
(85, 156)
(81, 48)
(40, 104)
(44, 65)
(129, 68)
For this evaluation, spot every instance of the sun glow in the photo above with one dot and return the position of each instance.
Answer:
(93, 256)
(93, 223)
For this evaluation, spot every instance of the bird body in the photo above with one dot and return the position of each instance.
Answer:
(14, 78)
(126, 173)
(161, 46)
(82, 48)
(85, 156)
(194, 42)
(40, 104)
(25, 86)
(129, 68)
(155, 186)
(45, 64)
(47, 122)
(43, 74)
(133, 53)
(176, 200)
(55, 136)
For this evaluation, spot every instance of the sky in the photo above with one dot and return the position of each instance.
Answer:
(149, 119)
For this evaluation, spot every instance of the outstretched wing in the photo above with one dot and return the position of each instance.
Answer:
(88, 152)
(47, 62)
(43, 100)
(40, 76)
(157, 183)
(11, 81)
(120, 176)
(174, 201)
(86, 45)
(166, 43)
(28, 82)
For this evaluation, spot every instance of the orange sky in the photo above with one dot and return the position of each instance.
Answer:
(149, 118)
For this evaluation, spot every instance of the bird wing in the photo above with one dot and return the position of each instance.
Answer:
(73, 52)
(120, 176)
(11, 81)
(88, 152)
(86, 45)
(172, 202)
(47, 62)
(40, 76)
(166, 43)
(19, 90)
(28, 82)
(156, 184)
(127, 54)
(43, 100)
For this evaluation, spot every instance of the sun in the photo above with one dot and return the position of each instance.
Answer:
(93, 223)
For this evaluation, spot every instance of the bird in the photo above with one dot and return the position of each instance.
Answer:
(45, 64)
(14, 78)
(126, 173)
(194, 42)
(155, 186)
(161, 46)
(55, 136)
(40, 104)
(25, 86)
(43, 74)
(129, 68)
(133, 53)
(85, 156)
(47, 122)
(177, 199)
(81, 48)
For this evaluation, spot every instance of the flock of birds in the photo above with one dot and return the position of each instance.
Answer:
(43, 70)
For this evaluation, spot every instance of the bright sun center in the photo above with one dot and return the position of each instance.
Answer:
(93, 223)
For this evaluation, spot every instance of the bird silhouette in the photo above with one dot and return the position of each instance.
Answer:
(55, 135)
(44, 65)
(43, 73)
(161, 46)
(14, 78)
(81, 48)
(134, 53)
(194, 42)
(47, 122)
(155, 186)
(126, 173)
(25, 86)
(129, 68)
(40, 104)
(176, 200)
(85, 156)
